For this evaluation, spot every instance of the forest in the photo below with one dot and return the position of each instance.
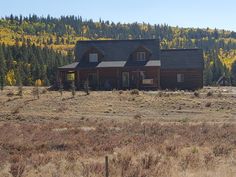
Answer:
(31, 48)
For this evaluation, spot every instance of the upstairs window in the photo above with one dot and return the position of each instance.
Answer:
(180, 78)
(93, 57)
(141, 56)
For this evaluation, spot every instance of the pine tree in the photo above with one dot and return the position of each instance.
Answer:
(70, 57)
(208, 76)
(2, 68)
(57, 42)
(9, 59)
(233, 71)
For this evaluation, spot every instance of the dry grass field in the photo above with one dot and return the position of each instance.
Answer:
(144, 134)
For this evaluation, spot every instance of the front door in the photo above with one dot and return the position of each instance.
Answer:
(125, 79)
(135, 79)
(92, 79)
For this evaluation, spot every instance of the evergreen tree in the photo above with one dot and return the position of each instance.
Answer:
(233, 70)
(9, 59)
(208, 76)
(70, 57)
(2, 68)
(19, 75)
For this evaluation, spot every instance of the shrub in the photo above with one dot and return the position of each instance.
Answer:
(62, 108)
(184, 120)
(194, 150)
(138, 116)
(16, 110)
(190, 160)
(35, 92)
(134, 92)
(210, 93)
(10, 94)
(220, 150)
(20, 91)
(208, 104)
(124, 160)
(17, 167)
(121, 92)
(219, 94)
(160, 94)
(171, 150)
(208, 159)
(44, 91)
(196, 94)
(146, 161)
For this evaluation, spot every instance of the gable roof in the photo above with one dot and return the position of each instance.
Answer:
(182, 59)
(118, 50)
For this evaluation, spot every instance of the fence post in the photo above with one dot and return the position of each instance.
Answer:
(106, 167)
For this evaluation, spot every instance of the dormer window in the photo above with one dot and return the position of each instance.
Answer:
(141, 56)
(93, 57)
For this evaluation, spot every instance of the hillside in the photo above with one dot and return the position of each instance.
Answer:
(61, 34)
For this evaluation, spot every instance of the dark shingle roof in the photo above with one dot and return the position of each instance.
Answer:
(118, 50)
(182, 59)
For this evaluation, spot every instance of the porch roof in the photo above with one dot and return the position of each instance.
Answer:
(111, 64)
(119, 64)
(70, 66)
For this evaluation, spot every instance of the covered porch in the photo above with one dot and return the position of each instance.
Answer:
(111, 75)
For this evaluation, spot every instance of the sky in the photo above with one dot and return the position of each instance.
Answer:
(183, 13)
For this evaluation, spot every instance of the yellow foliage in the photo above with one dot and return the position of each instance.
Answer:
(8, 36)
(85, 29)
(38, 83)
(227, 57)
(10, 78)
(144, 27)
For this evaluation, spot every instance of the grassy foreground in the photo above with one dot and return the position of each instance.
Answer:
(144, 134)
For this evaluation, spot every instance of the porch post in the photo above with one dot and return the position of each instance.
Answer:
(78, 80)
(98, 84)
(159, 78)
(59, 77)
(117, 79)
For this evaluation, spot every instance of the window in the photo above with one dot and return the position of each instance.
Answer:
(142, 75)
(180, 78)
(141, 56)
(125, 79)
(93, 57)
